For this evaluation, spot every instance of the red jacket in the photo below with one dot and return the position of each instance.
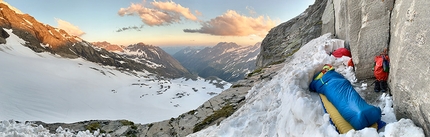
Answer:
(378, 70)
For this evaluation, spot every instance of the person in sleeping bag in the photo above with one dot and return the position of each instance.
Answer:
(340, 92)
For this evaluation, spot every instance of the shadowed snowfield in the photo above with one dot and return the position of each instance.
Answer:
(48, 88)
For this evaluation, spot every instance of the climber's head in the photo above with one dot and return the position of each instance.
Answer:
(327, 67)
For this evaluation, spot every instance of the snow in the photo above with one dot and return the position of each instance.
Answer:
(141, 56)
(28, 22)
(280, 107)
(285, 107)
(103, 56)
(48, 88)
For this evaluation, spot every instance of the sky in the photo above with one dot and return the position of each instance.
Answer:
(163, 22)
(282, 106)
(56, 89)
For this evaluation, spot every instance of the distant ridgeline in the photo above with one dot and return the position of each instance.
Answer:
(227, 61)
(44, 38)
(154, 57)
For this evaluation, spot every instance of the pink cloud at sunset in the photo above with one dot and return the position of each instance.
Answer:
(159, 13)
(232, 23)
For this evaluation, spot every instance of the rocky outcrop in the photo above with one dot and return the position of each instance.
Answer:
(369, 26)
(409, 54)
(3, 36)
(286, 38)
(108, 46)
(365, 27)
(35, 33)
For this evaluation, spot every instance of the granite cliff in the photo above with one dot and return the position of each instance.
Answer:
(368, 27)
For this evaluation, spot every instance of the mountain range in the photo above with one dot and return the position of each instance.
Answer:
(270, 102)
(44, 38)
(51, 76)
(154, 58)
(227, 61)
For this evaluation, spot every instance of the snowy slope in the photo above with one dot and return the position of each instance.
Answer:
(285, 107)
(48, 88)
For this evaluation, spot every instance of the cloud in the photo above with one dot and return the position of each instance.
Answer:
(198, 13)
(251, 10)
(159, 13)
(175, 9)
(69, 28)
(233, 24)
(130, 28)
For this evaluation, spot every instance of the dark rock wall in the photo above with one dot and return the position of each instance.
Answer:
(286, 38)
(369, 26)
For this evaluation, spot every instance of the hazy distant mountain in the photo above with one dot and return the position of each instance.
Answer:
(156, 59)
(173, 49)
(44, 38)
(227, 61)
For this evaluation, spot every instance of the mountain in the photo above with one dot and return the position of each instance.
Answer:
(44, 38)
(278, 106)
(46, 87)
(227, 61)
(51, 76)
(173, 49)
(108, 46)
(154, 58)
(279, 102)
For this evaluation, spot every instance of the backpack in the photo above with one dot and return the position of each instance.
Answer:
(385, 64)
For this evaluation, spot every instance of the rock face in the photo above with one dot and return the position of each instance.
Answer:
(401, 26)
(286, 38)
(409, 55)
(228, 61)
(3, 36)
(365, 27)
